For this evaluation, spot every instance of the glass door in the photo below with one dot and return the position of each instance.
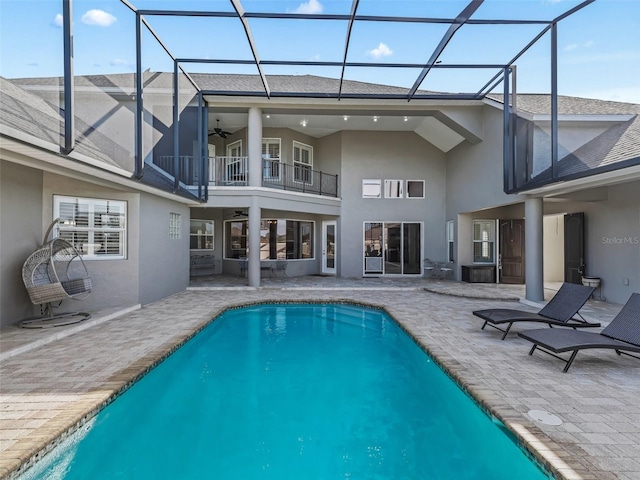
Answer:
(392, 248)
(329, 247)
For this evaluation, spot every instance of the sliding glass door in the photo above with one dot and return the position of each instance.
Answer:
(392, 248)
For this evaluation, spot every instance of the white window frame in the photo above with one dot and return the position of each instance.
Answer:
(299, 165)
(415, 181)
(202, 234)
(88, 250)
(211, 153)
(269, 172)
(175, 226)
(393, 188)
(490, 238)
(373, 185)
(450, 241)
(232, 146)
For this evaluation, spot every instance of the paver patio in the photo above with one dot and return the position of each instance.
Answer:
(52, 388)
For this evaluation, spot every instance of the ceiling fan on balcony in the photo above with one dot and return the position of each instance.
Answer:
(240, 213)
(218, 131)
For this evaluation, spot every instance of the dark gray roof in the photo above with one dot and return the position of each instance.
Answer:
(305, 84)
(540, 104)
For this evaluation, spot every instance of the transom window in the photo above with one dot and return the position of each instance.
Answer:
(393, 188)
(371, 188)
(302, 162)
(95, 227)
(279, 239)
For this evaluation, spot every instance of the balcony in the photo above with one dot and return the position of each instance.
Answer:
(234, 171)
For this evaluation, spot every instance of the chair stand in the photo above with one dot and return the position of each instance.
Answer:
(50, 319)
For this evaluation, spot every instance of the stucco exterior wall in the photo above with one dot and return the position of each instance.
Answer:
(391, 156)
(612, 238)
(164, 261)
(115, 282)
(20, 234)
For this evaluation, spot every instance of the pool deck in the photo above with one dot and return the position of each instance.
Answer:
(53, 380)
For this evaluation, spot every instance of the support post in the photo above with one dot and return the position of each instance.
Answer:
(253, 260)
(254, 147)
(534, 278)
(554, 101)
(176, 130)
(69, 94)
(139, 160)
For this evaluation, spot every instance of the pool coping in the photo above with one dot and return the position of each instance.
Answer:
(553, 458)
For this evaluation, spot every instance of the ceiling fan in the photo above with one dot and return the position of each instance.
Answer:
(218, 131)
(240, 213)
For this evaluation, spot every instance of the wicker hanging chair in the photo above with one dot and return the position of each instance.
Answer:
(53, 273)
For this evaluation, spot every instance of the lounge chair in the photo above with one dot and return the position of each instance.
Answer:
(558, 312)
(621, 335)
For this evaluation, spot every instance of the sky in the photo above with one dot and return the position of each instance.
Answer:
(598, 47)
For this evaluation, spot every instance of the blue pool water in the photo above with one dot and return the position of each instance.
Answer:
(293, 392)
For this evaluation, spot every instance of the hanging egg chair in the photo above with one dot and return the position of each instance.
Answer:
(53, 273)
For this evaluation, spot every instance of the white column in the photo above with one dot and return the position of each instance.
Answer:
(254, 147)
(534, 279)
(253, 262)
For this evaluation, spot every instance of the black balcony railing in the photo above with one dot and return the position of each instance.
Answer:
(299, 178)
(233, 171)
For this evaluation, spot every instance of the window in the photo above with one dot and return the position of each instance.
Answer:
(235, 239)
(234, 149)
(96, 227)
(415, 188)
(393, 189)
(450, 243)
(286, 239)
(483, 241)
(302, 162)
(211, 149)
(371, 189)
(201, 235)
(174, 226)
(271, 158)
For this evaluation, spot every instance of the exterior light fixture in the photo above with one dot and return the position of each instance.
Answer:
(303, 123)
(268, 116)
(406, 119)
(346, 117)
(375, 119)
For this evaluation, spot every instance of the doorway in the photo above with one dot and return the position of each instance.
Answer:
(574, 265)
(329, 247)
(512, 266)
(392, 248)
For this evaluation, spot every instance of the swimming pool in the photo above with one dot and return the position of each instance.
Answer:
(297, 391)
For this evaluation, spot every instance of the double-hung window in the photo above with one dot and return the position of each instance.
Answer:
(302, 163)
(95, 227)
(484, 234)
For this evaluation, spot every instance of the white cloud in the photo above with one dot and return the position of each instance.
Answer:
(118, 62)
(380, 51)
(57, 21)
(570, 47)
(310, 7)
(589, 44)
(98, 17)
